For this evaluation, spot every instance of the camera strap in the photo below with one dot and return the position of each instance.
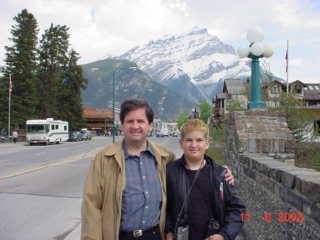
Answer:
(184, 206)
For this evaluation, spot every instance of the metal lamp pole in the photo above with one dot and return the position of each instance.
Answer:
(113, 99)
(113, 106)
(255, 51)
(255, 84)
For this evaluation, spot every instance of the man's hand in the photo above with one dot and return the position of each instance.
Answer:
(215, 237)
(169, 236)
(228, 176)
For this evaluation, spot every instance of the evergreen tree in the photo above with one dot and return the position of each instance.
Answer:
(70, 106)
(53, 61)
(21, 64)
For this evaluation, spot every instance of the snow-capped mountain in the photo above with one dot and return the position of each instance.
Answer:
(191, 63)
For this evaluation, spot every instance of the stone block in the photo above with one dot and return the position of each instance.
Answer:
(306, 207)
(292, 198)
(252, 145)
(315, 213)
(249, 172)
(287, 179)
(308, 188)
(276, 174)
(244, 160)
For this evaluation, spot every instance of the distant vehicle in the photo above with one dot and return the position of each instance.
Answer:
(74, 136)
(164, 132)
(174, 134)
(4, 139)
(46, 131)
(85, 134)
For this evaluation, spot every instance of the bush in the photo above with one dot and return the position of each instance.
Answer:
(308, 155)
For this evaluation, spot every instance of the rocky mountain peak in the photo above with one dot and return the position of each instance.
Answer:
(196, 59)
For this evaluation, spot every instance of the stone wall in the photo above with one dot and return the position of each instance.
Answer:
(269, 183)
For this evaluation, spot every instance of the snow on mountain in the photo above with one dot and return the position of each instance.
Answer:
(195, 58)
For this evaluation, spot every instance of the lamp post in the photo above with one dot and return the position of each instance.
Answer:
(255, 51)
(195, 112)
(113, 98)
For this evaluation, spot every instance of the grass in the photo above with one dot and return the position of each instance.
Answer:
(217, 154)
(216, 148)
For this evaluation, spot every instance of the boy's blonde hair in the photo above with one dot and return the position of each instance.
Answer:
(194, 125)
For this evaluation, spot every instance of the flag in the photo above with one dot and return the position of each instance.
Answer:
(10, 86)
(287, 60)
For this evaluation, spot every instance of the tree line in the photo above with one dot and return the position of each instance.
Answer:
(46, 78)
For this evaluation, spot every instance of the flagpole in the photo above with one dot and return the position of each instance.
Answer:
(10, 90)
(287, 68)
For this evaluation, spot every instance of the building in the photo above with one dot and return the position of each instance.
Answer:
(272, 93)
(233, 95)
(235, 92)
(100, 120)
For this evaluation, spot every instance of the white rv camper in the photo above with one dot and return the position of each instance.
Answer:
(47, 131)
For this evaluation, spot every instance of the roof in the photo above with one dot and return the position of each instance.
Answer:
(222, 96)
(270, 84)
(311, 91)
(296, 82)
(97, 113)
(234, 86)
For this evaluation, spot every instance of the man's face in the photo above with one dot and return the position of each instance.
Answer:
(194, 145)
(136, 126)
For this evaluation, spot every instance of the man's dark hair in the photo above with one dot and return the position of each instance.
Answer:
(134, 104)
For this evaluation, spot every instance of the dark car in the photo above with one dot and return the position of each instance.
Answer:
(75, 136)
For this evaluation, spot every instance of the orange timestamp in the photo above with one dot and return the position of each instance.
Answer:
(280, 217)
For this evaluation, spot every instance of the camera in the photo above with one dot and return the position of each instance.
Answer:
(182, 233)
(213, 227)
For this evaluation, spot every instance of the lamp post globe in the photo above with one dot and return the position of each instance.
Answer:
(254, 35)
(257, 49)
(243, 52)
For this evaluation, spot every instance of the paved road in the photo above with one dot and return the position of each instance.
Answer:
(41, 188)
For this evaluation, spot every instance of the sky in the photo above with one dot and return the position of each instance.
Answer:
(104, 28)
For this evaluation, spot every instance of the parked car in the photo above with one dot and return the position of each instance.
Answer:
(164, 132)
(74, 136)
(174, 134)
(85, 135)
(4, 139)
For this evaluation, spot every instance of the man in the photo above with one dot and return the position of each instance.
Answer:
(125, 190)
(15, 136)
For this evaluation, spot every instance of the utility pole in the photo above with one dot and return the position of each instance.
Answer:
(9, 107)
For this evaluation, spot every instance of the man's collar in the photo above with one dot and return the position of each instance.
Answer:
(125, 149)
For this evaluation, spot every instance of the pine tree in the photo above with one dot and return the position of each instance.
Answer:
(53, 60)
(70, 106)
(21, 64)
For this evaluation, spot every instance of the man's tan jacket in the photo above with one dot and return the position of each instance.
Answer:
(105, 183)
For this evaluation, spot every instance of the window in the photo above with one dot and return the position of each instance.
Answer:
(57, 126)
(65, 128)
(297, 90)
(275, 89)
(52, 127)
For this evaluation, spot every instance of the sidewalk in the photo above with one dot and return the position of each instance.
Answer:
(11, 144)
(75, 234)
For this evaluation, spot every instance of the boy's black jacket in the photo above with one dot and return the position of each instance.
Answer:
(227, 207)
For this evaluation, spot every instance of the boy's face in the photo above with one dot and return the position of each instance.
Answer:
(194, 145)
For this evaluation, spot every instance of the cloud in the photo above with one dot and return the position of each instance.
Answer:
(101, 28)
